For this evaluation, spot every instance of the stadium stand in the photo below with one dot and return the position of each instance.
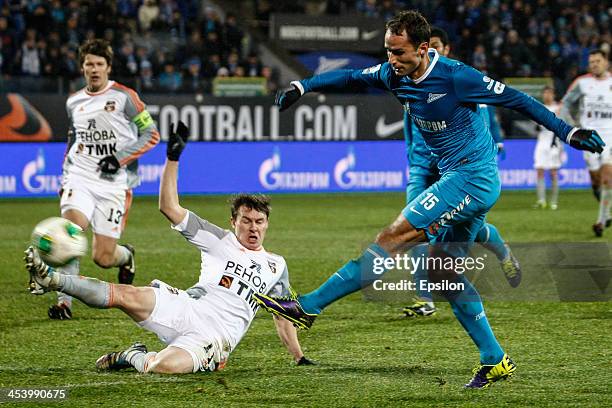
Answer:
(181, 46)
(160, 46)
(502, 37)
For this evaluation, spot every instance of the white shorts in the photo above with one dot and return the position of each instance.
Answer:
(189, 324)
(106, 209)
(547, 157)
(594, 161)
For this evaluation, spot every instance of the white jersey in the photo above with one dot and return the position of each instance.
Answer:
(230, 274)
(545, 136)
(547, 155)
(589, 100)
(112, 121)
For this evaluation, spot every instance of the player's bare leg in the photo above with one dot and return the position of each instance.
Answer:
(596, 183)
(137, 302)
(400, 233)
(171, 360)
(605, 199)
(107, 254)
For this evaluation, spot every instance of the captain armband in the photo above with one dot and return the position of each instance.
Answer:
(143, 120)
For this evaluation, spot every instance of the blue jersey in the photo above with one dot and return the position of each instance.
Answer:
(421, 159)
(418, 154)
(488, 114)
(443, 105)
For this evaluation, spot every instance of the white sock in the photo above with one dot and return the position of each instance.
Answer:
(122, 255)
(140, 361)
(71, 269)
(92, 292)
(541, 189)
(554, 194)
(604, 204)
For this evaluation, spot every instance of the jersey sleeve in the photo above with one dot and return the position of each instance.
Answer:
(282, 287)
(407, 133)
(377, 76)
(148, 135)
(472, 86)
(570, 103)
(201, 233)
(494, 125)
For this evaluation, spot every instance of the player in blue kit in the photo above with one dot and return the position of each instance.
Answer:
(441, 96)
(424, 172)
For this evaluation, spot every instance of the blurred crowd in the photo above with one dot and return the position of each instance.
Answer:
(181, 45)
(159, 45)
(505, 38)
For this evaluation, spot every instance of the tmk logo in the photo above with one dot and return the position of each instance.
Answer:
(34, 181)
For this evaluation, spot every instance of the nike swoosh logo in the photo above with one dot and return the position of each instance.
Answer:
(415, 211)
(434, 97)
(368, 35)
(385, 130)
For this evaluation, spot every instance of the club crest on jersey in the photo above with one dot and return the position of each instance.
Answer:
(110, 106)
(272, 266)
(434, 97)
(226, 281)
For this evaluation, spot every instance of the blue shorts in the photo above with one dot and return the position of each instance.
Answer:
(420, 179)
(453, 209)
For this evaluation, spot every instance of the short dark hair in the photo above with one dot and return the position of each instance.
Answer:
(98, 47)
(599, 51)
(440, 33)
(413, 23)
(257, 202)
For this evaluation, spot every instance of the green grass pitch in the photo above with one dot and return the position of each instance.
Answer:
(368, 354)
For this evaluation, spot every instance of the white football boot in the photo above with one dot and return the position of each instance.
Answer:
(42, 277)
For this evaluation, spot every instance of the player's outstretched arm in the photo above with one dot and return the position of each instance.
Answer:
(168, 191)
(473, 86)
(288, 335)
(376, 76)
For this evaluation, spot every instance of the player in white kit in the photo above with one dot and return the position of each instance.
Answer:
(110, 129)
(588, 102)
(548, 155)
(203, 324)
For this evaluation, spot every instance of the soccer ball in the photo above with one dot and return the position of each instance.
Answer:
(59, 241)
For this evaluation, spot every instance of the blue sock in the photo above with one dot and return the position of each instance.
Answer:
(420, 274)
(490, 238)
(353, 276)
(469, 310)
